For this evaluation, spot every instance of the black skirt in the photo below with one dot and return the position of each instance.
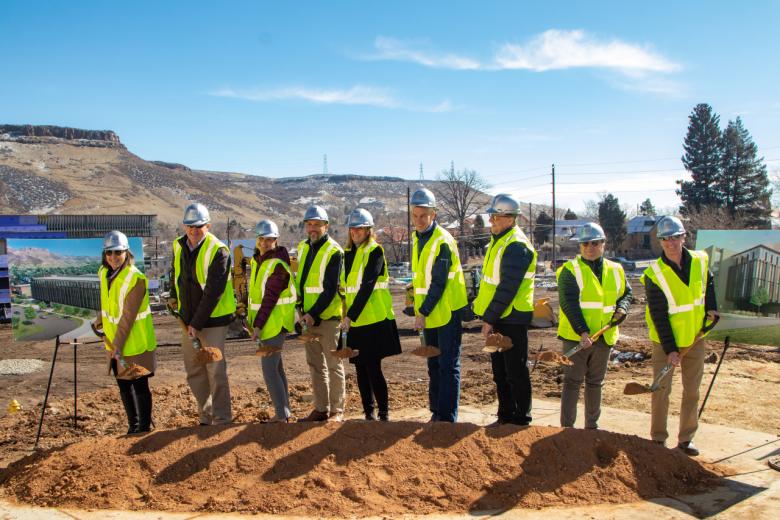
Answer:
(378, 340)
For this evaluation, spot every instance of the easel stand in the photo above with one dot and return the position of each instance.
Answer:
(57, 344)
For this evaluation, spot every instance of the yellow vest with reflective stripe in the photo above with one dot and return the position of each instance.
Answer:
(379, 306)
(686, 302)
(491, 275)
(454, 296)
(112, 301)
(283, 314)
(311, 288)
(597, 297)
(206, 253)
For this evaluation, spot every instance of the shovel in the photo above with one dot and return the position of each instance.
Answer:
(497, 342)
(202, 354)
(264, 350)
(425, 350)
(612, 323)
(343, 351)
(124, 370)
(633, 388)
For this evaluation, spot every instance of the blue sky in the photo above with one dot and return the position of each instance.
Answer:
(603, 90)
(72, 246)
(737, 241)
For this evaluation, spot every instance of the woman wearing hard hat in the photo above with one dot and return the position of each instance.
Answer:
(271, 312)
(125, 322)
(370, 321)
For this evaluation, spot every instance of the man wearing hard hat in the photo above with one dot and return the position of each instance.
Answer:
(317, 281)
(506, 304)
(439, 299)
(593, 292)
(202, 294)
(680, 297)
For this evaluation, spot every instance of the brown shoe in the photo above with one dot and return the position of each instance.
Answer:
(335, 417)
(315, 416)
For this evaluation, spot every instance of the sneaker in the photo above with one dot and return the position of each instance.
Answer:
(315, 416)
(335, 417)
(688, 448)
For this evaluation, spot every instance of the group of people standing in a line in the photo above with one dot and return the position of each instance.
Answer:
(339, 291)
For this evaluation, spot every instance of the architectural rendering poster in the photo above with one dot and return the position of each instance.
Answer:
(54, 286)
(746, 269)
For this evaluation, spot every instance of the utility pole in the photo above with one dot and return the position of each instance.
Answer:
(554, 266)
(422, 176)
(409, 220)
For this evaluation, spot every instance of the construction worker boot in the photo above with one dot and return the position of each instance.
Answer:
(128, 401)
(144, 412)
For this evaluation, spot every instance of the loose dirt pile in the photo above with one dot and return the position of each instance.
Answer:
(354, 469)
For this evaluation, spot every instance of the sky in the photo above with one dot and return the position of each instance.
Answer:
(602, 90)
(72, 246)
(738, 241)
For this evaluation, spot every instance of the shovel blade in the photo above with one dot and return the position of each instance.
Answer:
(209, 355)
(344, 353)
(132, 371)
(310, 337)
(267, 351)
(636, 389)
(490, 349)
(554, 357)
(426, 351)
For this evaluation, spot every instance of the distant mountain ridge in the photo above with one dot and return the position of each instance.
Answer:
(41, 257)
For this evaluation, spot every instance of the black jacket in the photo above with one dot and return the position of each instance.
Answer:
(439, 273)
(330, 283)
(514, 264)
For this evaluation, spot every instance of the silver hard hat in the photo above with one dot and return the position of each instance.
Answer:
(115, 241)
(196, 214)
(423, 198)
(316, 213)
(590, 232)
(670, 227)
(504, 204)
(360, 218)
(267, 229)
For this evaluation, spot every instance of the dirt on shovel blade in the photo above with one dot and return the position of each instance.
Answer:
(635, 389)
(209, 355)
(426, 351)
(344, 353)
(554, 357)
(133, 371)
(266, 351)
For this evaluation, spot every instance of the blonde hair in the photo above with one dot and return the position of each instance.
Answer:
(371, 236)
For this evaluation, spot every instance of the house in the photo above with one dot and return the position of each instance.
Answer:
(640, 239)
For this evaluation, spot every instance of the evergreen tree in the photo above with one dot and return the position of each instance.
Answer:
(702, 159)
(542, 229)
(613, 220)
(744, 184)
(647, 209)
(570, 215)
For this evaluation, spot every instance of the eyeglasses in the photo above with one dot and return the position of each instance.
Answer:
(593, 243)
(674, 238)
(194, 227)
(115, 253)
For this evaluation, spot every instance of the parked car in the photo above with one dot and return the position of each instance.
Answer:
(628, 265)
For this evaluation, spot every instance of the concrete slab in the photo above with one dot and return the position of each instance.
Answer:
(753, 492)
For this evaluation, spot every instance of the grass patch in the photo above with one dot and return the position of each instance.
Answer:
(757, 336)
(22, 332)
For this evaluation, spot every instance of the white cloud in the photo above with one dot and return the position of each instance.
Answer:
(356, 95)
(555, 49)
(397, 50)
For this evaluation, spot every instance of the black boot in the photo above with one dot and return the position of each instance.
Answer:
(126, 393)
(144, 400)
(370, 415)
(384, 415)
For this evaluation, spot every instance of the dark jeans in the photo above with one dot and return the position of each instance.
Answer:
(510, 373)
(372, 384)
(444, 369)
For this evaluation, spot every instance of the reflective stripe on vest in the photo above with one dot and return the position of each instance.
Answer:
(597, 298)
(208, 249)
(311, 288)
(379, 306)
(282, 314)
(454, 296)
(491, 267)
(140, 338)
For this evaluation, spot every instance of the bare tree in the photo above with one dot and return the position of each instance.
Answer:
(461, 194)
(709, 217)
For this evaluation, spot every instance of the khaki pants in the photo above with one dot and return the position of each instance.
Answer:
(208, 382)
(590, 366)
(692, 371)
(327, 371)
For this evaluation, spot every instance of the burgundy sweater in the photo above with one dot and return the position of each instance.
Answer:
(275, 284)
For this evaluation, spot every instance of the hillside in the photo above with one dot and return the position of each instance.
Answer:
(72, 171)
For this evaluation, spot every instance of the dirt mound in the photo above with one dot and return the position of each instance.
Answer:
(354, 469)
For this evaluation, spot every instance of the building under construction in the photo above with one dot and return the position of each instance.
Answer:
(78, 291)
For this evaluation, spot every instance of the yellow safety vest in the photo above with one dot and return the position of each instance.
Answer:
(379, 306)
(206, 253)
(454, 296)
(311, 288)
(112, 302)
(686, 302)
(597, 297)
(491, 275)
(283, 314)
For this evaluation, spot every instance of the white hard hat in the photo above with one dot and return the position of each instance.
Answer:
(267, 229)
(315, 213)
(360, 218)
(590, 232)
(423, 198)
(670, 227)
(504, 204)
(196, 214)
(115, 241)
